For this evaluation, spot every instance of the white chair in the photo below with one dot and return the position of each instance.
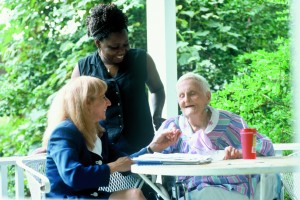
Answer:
(34, 168)
(288, 180)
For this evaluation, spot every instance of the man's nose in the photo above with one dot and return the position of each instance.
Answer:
(186, 98)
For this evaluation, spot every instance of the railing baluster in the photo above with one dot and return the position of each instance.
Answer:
(5, 163)
(3, 182)
(19, 183)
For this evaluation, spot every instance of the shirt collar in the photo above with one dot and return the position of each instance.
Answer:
(213, 120)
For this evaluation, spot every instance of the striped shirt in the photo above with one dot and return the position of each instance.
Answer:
(223, 130)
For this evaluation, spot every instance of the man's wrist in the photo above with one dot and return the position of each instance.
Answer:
(149, 150)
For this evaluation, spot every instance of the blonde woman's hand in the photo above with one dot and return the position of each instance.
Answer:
(122, 164)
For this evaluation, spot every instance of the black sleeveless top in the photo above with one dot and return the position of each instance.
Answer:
(128, 119)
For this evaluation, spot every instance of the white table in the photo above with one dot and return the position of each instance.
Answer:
(261, 165)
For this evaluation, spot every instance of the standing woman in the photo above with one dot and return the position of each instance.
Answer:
(127, 72)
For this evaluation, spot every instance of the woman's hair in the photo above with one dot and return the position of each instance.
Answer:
(200, 79)
(71, 102)
(105, 19)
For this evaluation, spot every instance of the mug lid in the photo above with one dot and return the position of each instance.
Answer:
(248, 130)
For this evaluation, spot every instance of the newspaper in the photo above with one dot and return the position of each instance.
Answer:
(172, 159)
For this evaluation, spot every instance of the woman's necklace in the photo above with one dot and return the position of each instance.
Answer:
(108, 68)
(111, 69)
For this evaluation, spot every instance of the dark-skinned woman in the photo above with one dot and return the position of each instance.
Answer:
(127, 72)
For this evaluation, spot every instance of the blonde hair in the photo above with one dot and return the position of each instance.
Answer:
(200, 79)
(71, 103)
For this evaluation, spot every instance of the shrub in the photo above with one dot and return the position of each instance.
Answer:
(261, 93)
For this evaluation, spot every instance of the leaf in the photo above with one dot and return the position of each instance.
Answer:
(233, 34)
(66, 46)
(188, 13)
(213, 24)
(183, 59)
(225, 28)
(47, 53)
(202, 33)
(181, 44)
(232, 46)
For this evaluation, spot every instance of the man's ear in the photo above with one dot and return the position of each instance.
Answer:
(208, 94)
(97, 43)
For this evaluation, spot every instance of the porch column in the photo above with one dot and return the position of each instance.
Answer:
(161, 43)
(295, 61)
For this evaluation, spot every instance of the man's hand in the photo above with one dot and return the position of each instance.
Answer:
(165, 139)
(232, 153)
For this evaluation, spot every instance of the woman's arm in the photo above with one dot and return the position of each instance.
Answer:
(75, 72)
(264, 146)
(68, 151)
(157, 92)
(65, 148)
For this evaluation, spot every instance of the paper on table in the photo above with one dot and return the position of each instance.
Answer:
(214, 154)
(171, 159)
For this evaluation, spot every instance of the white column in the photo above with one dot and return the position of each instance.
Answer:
(295, 58)
(295, 61)
(161, 42)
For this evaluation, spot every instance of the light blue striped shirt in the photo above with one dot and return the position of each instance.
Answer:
(223, 130)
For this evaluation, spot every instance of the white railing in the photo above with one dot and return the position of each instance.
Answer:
(8, 162)
(5, 164)
(280, 147)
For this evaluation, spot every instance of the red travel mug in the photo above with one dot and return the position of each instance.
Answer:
(248, 139)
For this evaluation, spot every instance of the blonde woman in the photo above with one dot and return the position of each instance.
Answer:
(79, 157)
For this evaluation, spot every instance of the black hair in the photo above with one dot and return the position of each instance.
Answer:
(105, 19)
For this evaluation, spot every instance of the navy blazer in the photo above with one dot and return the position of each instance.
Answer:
(73, 170)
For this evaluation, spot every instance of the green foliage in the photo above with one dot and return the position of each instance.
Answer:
(38, 51)
(45, 39)
(261, 93)
(211, 34)
(226, 41)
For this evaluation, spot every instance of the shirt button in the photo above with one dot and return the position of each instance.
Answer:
(121, 126)
(117, 92)
(119, 104)
(120, 115)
